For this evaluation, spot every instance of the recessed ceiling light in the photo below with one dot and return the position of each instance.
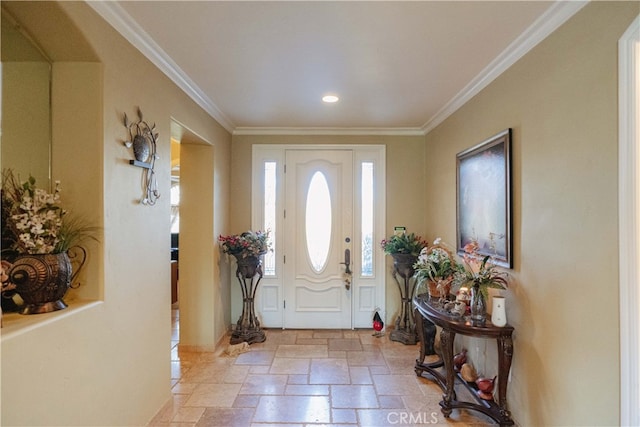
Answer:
(330, 98)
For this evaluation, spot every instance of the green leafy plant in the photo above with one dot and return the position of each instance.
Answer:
(249, 243)
(403, 244)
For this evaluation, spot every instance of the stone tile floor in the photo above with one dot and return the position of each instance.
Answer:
(305, 378)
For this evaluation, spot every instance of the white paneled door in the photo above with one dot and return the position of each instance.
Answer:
(318, 201)
(319, 225)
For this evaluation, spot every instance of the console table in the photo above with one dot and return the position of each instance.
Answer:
(427, 314)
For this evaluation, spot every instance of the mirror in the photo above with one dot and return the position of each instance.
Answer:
(26, 104)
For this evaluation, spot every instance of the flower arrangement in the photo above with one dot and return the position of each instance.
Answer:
(250, 243)
(403, 244)
(480, 270)
(437, 264)
(33, 220)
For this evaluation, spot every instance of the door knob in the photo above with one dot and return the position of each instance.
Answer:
(347, 270)
(347, 261)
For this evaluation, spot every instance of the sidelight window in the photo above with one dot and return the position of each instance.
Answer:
(366, 191)
(269, 267)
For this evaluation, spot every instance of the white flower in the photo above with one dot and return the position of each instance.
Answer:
(43, 198)
(21, 221)
(27, 203)
(35, 216)
(37, 229)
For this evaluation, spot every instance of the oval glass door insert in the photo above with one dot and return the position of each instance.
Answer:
(318, 221)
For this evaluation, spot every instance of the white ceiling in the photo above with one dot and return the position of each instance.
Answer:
(398, 67)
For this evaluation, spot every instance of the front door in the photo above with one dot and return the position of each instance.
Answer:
(318, 231)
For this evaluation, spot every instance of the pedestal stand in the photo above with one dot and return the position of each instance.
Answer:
(248, 327)
(405, 328)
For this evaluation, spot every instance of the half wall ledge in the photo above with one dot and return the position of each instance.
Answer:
(15, 324)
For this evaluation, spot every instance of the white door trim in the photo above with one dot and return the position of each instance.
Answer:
(269, 299)
(629, 232)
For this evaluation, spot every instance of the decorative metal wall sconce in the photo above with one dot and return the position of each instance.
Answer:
(142, 138)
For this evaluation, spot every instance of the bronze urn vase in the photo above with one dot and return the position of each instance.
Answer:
(41, 280)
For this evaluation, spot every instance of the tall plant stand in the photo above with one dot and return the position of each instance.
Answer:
(405, 327)
(248, 327)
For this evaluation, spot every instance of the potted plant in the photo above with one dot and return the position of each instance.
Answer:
(248, 244)
(247, 249)
(481, 273)
(436, 267)
(37, 235)
(403, 244)
(404, 249)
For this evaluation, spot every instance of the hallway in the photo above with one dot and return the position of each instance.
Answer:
(305, 378)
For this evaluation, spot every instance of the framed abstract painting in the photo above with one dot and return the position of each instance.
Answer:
(484, 198)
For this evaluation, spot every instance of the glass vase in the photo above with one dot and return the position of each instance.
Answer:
(478, 306)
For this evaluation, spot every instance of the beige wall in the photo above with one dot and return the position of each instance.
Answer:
(204, 300)
(73, 83)
(561, 101)
(109, 363)
(405, 176)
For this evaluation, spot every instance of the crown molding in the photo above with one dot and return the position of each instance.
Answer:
(548, 22)
(327, 131)
(120, 20)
